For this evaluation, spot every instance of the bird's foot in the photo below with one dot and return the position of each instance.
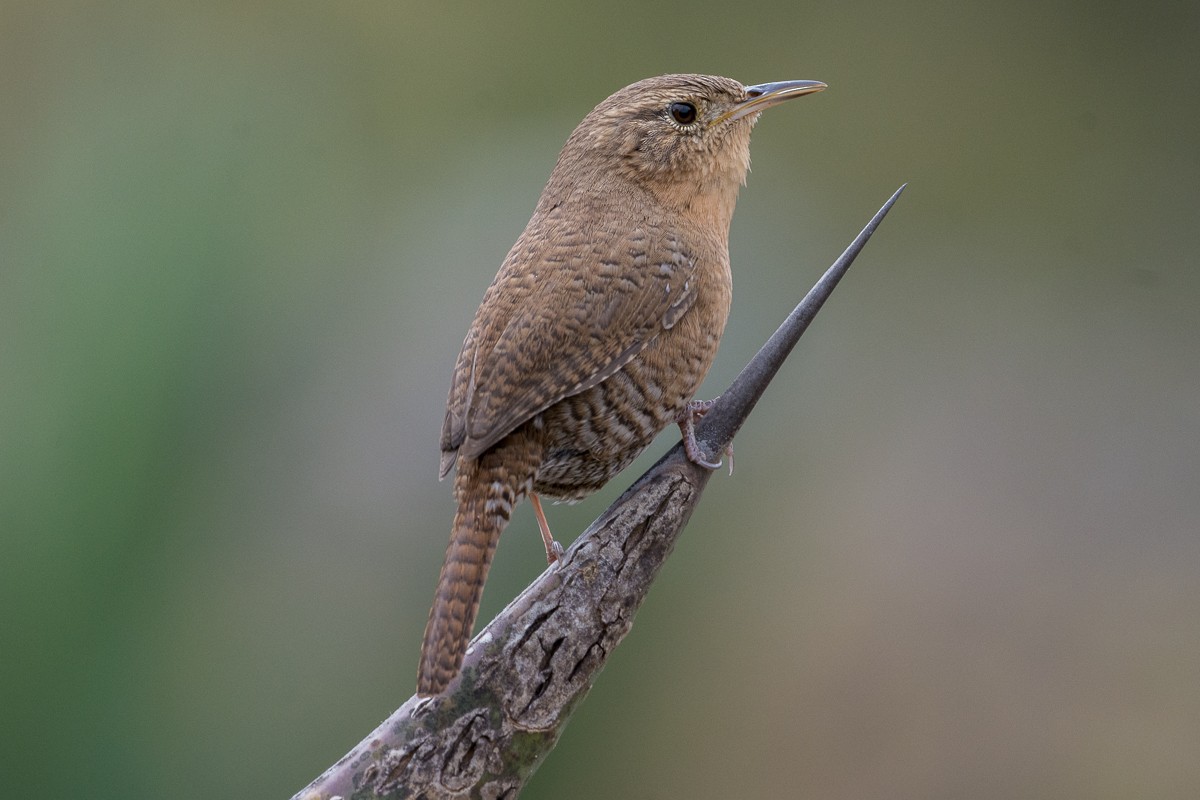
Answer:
(694, 410)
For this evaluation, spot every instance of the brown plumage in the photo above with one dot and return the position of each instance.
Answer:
(601, 324)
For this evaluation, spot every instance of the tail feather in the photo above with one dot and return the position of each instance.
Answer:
(487, 488)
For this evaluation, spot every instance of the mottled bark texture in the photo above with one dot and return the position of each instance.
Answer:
(528, 670)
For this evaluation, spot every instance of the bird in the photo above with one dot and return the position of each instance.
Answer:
(600, 325)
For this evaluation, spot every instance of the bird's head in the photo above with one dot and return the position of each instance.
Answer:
(683, 138)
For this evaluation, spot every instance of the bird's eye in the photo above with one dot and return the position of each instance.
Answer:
(683, 113)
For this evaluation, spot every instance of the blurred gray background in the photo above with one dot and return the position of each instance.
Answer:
(240, 244)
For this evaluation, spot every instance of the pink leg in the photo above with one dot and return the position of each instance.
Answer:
(554, 550)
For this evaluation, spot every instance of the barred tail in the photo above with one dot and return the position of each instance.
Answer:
(486, 488)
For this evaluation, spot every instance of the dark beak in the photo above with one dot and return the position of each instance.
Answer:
(765, 95)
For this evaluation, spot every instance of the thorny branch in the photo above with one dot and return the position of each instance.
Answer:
(526, 672)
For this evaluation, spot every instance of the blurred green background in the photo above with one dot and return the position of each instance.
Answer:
(240, 244)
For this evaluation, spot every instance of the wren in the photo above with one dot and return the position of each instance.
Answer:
(601, 324)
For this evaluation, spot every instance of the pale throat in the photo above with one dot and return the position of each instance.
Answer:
(708, 203)
(708, 195)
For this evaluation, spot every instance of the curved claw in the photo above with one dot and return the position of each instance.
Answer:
(694, 410)
(696, 456)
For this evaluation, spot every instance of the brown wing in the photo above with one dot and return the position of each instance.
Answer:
(560, 318)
